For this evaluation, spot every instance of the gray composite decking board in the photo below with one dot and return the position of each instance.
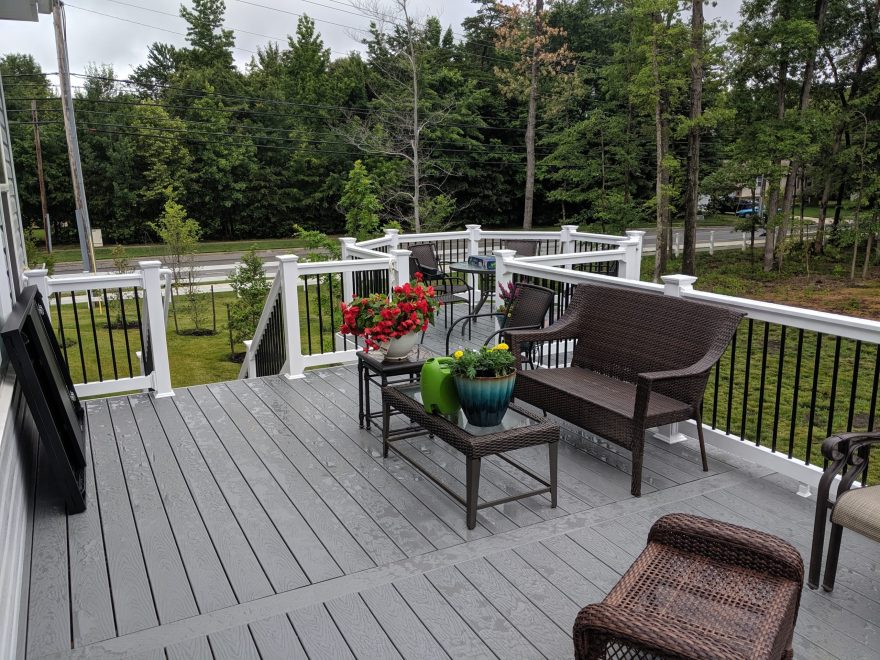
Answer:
(336, 480)
(275, 556)
(130, 587)
(574, 585)
(587, 564)
(190, 649)
(172, 594)
(496, 631)
(450, 471)
(542, 632)
(499, 478)
(233, 644)
(406, 632)
(209, 582)
(91, 605)
(364, 635)
(241, 435)
(370, 542)
(276, 639)
(597, 544)
(292, 503)
(318, 633)
(447, 509)
(441, 619)
(48, 610)
(241, 566)
(558, 607)
(338, 440)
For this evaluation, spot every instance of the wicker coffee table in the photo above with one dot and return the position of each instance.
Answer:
(518, 429)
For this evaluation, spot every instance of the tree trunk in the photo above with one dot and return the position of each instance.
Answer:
(530, 125)
(819, 242)
(821, 8)
(770, 209)
(662, 177)
(692, 200)
(416, 128)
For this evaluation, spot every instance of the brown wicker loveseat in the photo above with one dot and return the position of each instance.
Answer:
(641, 360)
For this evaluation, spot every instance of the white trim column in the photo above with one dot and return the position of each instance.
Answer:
(155, 313)
(393, 235)
(288, 271)
(347, 277)
(502, 275)
(399, 267)
(474, 232)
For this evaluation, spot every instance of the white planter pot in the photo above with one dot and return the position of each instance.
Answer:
(400, 347)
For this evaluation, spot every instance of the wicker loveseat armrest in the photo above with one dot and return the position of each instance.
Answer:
(567, 327)
(602, 624)
(731, 544)
(698, 368)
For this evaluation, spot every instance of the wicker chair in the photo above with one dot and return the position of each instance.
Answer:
(532, 304)
(701, 589)
(523, 248)
(443, 284)
(641, 360)
(857, 509)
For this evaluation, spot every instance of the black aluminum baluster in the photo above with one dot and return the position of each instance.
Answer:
(715, 395)
(332, 305)
(874, 388)
(833, 399)
(95, 335)
(82, 359)
(779, 375)
(110, 334)
(61, 328)
(813, 398)
(125, 332)
(730, 382)
(762, 385)
(308, 312)
(796, 391)
(140, 323)
(320, 315)
(745, 397)
(854, 389)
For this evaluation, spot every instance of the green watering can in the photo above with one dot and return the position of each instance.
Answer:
(438, 387)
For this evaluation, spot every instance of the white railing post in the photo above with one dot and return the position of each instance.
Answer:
(502, 276)
(347, 278)
(566, 242)
(674, 285)
(155, 318)
(631, 267)
(250, 358)
(743, 249)
(288, 271)
(140, 358)
(39, 277)
(676, 244)
(473, 239)
(399, 267)
(711, 242)
(393, 235)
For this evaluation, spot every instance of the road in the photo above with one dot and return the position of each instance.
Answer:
(218, 265)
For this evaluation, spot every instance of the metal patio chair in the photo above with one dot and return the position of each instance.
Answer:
(522, 248)
(857, 509)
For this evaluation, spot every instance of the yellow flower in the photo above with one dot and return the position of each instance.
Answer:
(457, 355)
(502, 347)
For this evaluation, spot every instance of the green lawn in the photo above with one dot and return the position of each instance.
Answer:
(69, 253)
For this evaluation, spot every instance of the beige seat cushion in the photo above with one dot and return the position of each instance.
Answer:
(859, 510)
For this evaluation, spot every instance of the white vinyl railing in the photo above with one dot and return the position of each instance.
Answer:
(154, 282)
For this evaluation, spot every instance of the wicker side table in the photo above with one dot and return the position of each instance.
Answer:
(700, 589)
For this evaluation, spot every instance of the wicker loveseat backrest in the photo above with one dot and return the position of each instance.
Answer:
(624, 333)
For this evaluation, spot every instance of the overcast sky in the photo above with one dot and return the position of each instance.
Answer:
(93, 36)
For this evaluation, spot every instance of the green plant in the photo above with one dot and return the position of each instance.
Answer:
(34, 255)
(484, 363)
(321, 247)
(120, 265)
(249, 283)
(360, 203)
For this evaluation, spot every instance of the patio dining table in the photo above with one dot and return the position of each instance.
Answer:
(486, 277)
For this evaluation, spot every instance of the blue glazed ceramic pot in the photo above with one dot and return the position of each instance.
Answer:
(484, 400)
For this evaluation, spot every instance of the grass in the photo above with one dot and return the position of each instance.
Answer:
(796, 408)
(70, 253)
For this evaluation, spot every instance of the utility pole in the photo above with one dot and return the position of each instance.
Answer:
(42, 181)
(79, 189)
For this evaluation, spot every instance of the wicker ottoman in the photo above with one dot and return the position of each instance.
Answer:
(700, 589)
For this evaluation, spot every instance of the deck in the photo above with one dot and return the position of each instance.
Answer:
(254, 519)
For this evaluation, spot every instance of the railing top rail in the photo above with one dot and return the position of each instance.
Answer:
(520, 235)
(92, 281)
(839, 325)
(432, 236)
(523, 267)
(382, 241)
(346, 266)
(361, 253)
(576, 257)
(597, 238)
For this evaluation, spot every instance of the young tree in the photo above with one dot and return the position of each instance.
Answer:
(360, 204)
(692, 194)
(540, 53)
(181, 237)
(248, 282)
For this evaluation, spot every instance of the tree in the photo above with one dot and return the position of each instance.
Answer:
(248, 282)
(539, 53)
(692, 196)
(360, 204)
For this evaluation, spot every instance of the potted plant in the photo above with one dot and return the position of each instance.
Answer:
(508, 293)
(484, 380)
(391, 323)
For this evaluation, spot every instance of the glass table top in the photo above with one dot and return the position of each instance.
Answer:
(465, 267)
(512, 420)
